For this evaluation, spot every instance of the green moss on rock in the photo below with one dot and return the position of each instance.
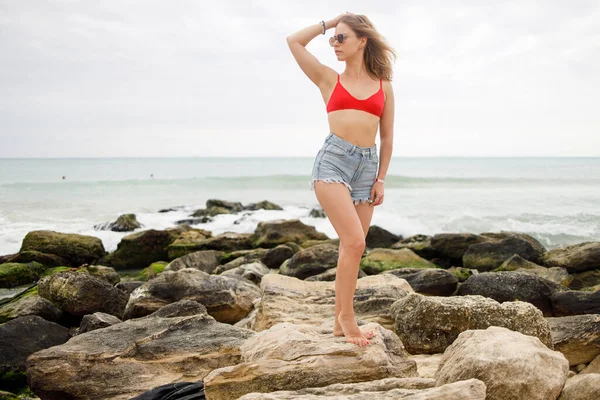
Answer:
(15, 274)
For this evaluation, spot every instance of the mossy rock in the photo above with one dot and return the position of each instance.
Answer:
(55, 270)
(14, 381)
(16, 274)
(152, 271)
(379, 260)
(76, 249)
(461, 273)
(47, 260)
(140, 249)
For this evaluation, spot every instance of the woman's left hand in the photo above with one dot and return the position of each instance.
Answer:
(377, 194)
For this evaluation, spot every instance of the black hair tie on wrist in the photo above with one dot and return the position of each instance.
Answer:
(323, 23)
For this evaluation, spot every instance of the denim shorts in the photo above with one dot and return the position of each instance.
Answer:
(354, 166)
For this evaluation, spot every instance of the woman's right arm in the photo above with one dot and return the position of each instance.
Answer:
(311, 66)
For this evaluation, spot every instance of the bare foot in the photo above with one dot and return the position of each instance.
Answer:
(337, 330)
(351, 330)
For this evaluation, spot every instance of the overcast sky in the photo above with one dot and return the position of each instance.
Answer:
(196, 78)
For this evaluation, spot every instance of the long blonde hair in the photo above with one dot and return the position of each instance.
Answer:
(378, 54)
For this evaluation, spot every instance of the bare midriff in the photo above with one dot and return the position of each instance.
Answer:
(355, 126)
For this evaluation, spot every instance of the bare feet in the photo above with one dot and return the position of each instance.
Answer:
(351, 330)
(337, 330)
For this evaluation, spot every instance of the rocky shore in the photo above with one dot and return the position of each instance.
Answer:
(492, 315)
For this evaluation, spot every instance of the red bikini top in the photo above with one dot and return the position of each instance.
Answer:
(341, 99)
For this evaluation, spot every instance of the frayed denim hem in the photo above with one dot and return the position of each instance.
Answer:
(329, 180)
(364, 201)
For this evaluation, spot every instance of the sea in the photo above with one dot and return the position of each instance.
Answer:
(554, 199)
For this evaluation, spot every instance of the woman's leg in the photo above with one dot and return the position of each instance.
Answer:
(336, 202)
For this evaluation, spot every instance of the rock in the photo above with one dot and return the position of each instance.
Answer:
(383, 389)
(47, 260)
(107, 273)
(379, 260)
(512, 285)
(448, 248)
(269, 234)
(237, 260)
(310, 243)
(76, 249)
(427, 364)
(577, 337)
(430, 281)
(517, 263)
(227, 241)
(262, 205)
(211, 212)
(513, 366)
(140, 249)
(229, 205)
(129, 287)
(97, 320)
(572, 302)
(576, 258)
(274, 257)
(17, 274)
(289, 356)
(585, 279)
(429, 324)
(378, 237)
(203, 260)
(287, 299)
(593, 367)
(124, 223)
(187, 242)
(29, 303)
(22, 337)
(329, 275)
(311, 261)
(582, 387)
(498, 236)
(152, 271)
(317, 213)
(81, 294)
(129, 358)
(193, 221)
(228, 299)
(487, 256)
(461, 273)
(254, 271)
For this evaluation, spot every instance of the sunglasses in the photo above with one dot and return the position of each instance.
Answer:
(340, 39)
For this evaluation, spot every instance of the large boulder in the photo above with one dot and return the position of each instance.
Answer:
(429, 324)
(140, 249)
(378, 237)
(74, 248)
(29, 303)
(585, 279)
(20, 338)
(576, 258)
(430, 281)
(513, 366)
(487, 256)
(228, 299)
(582, 387)
(287, 299)
(573, 302)
(291, 356)
(555, 274)
(380, 260)
(577, 337)
(269, 234)
(124, 223)
(180, 342)
(80, 294)
(311, 261)
(382, 389)
(204, 260)
(513, 285)
(47, 260)
(16, 274)
(107, 273)
(187, 242)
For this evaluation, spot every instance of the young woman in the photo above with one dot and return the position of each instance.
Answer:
(345, 177)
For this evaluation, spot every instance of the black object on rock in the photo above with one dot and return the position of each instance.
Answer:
(175, 391)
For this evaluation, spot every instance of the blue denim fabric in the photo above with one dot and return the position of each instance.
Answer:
(354, 166)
